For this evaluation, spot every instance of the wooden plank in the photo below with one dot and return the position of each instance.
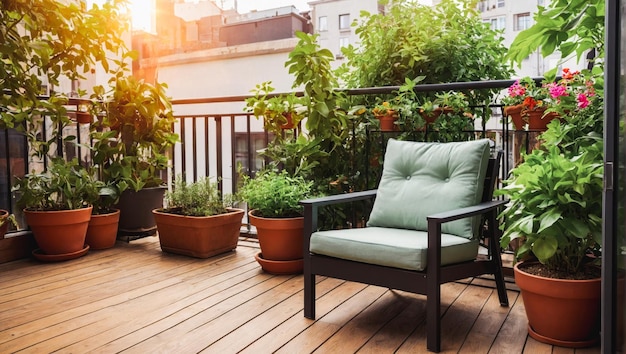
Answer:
(513, 333)
(283, 333)
(416, 343)
(16, 247)
(326, 326)
(250, 331)
(358, 331)
(488, 324)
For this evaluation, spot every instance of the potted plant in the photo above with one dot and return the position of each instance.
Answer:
(198, 220)
(6, 219)
(527, 103)
(273, 198)
(556, 208)
(279, 112)
(131, 141)
(387, 115)
(56, 209)
(103, 225)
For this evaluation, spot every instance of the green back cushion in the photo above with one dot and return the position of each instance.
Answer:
(422, 179)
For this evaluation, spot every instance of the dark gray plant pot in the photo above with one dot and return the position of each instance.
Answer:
(136, 218)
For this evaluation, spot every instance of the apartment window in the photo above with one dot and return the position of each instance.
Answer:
(500, 3)
(522, 21)
(344, 42)
(344, 21)
(322, 23)
(540, 2)
(497, 23)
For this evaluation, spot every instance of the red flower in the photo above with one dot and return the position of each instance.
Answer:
(530, 103)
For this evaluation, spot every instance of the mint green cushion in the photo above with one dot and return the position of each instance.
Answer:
(422, 179)
(398, 248)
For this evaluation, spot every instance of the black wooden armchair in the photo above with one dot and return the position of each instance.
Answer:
(443, 194)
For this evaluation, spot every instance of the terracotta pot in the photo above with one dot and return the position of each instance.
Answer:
(289, 124)
(61, 231)
(136, 217)
(102, 230)
(387, 121)
(560, 312)
(537, 120)
(431, 117)
(515, 112)
(3, 229)
(280, 239)
(83, 117)
(198, 236)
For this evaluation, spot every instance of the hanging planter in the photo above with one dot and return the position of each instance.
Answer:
(538, 119)
(388, 121)
(515, 112)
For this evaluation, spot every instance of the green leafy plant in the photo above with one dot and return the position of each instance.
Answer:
(9, 218)
(44, 44)
(556, 193)
(64, 186)
(200, 198)
(567, 26)
(277, 111)
(133, 133)
(275, 194)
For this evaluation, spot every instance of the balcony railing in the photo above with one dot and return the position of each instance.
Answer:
(222, 145)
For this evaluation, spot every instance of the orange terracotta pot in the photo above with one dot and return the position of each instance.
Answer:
(560, 312)
(61, 231)
(102, 230)
(431, 117)
(387, 121)
(280, 239)
(198, 236)
(289, 124)
(538, 119)
(515, 112)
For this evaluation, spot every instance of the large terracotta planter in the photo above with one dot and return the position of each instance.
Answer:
(102, 230)
(59, 232)
(136, 217)
(281, 242)
(560, 312)
(198, 236)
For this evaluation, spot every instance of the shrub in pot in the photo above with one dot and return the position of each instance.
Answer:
(198, 220)
(103, 225)
(556, 208)
(56, 208)
(131, 140)
(273, 198)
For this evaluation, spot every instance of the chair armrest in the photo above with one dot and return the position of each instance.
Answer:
(339, 198)
(461, 213)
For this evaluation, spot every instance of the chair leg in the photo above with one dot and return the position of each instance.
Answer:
(309, 295)
(496, 258)
(433, 319)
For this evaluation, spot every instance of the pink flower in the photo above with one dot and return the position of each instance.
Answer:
(583, 100)
(556, 90)
(517, 90)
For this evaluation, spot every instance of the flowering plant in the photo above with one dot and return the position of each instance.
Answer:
(574, 91)
(526, 92)
(385, 108)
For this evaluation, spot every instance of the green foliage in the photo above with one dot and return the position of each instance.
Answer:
(65, 186)
(445, 43)
(565, 25)
(556, 193)
(132, 136)
(8, 218)
(43, 42)
(200, 198)
(275, 109)
(276, 194)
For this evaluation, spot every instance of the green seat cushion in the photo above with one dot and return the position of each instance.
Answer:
(422, 179)
(398, 248)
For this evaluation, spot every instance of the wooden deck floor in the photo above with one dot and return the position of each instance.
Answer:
(135, 298)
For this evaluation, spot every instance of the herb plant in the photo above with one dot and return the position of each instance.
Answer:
(276, 194)
(200, 198)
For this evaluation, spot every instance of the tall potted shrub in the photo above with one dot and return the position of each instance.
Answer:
(132, 137)
(273, 198)
(556, 209)
(56, 209)
(198, 221)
